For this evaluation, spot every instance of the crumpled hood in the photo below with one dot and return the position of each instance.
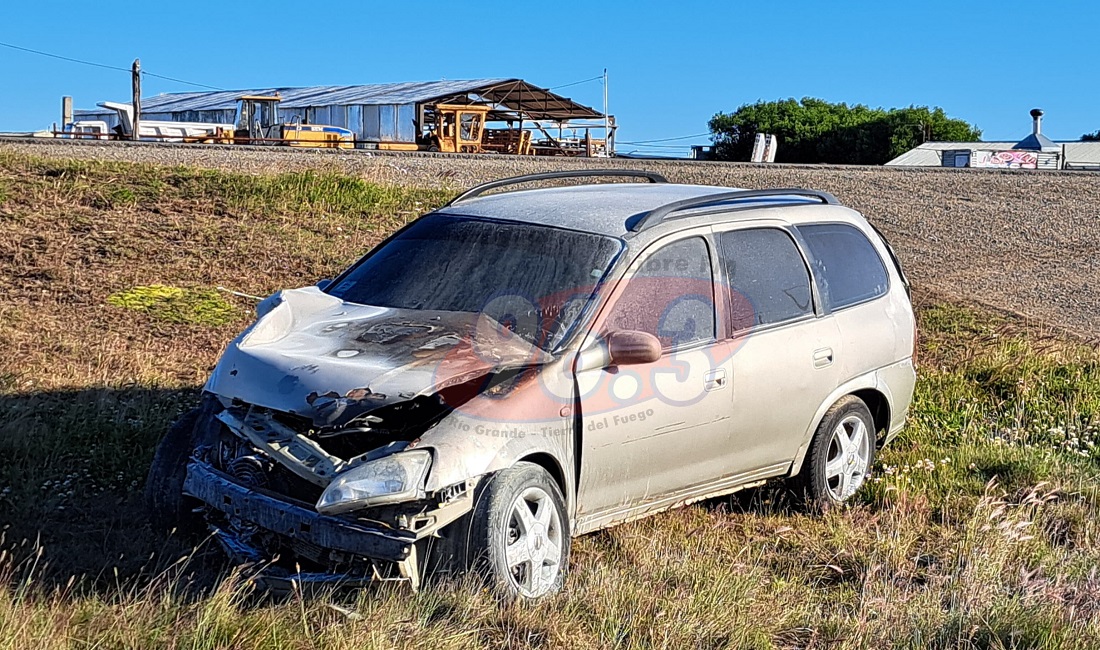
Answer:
(317, 356)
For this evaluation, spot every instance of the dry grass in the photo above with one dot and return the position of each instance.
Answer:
(981, 532)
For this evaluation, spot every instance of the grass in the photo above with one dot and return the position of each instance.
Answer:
(176, 305)
(981, 528)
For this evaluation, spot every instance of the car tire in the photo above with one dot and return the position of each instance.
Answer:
(165, 504)
(840, 456)
(519, 535)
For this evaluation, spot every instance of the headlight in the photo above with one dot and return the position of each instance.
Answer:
(394, 478)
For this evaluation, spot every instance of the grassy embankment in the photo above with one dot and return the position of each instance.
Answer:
(980, 530)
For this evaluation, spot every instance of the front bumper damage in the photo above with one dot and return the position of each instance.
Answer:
(349, 552)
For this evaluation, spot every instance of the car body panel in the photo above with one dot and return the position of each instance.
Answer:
(769, 422)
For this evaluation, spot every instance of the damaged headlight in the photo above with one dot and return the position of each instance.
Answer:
(394, 478)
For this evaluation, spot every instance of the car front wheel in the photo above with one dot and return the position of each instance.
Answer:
(840, 455)
(167, 507)
(519, 535)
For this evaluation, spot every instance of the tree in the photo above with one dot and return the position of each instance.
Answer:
(1091, 137)
(817, 131)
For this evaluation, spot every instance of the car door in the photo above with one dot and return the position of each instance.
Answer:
(784, 361)
(651, 431)
(853, 279)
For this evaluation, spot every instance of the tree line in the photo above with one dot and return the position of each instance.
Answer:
(816, 131)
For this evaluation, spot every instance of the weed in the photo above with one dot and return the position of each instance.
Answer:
(176, 305)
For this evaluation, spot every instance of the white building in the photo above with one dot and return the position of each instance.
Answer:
(1036, 151)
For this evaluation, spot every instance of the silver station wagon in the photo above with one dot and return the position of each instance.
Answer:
(523, 366)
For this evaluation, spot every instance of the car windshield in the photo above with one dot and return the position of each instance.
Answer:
(533, 280)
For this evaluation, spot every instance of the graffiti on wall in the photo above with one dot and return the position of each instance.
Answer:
(1005, 159)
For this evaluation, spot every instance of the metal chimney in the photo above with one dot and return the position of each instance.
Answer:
(1037, 120)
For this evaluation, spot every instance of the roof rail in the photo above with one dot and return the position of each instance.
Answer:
(658, 215)
(530, 178)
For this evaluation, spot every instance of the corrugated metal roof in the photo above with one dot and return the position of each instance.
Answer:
(516, 94)
(304, 97)
(1085, 154)
(929, 154)
(921, 156)
(1076, 154)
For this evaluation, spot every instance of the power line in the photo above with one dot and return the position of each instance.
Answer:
(575, 83)
(107, 67)
(65, 58)
(658, 146)
(652, 148)
(683, 137)
(182, 81)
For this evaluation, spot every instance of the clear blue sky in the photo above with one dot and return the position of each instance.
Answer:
(672, 65)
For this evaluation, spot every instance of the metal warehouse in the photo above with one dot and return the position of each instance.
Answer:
(388, 113)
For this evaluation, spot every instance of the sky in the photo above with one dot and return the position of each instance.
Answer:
(671, 65)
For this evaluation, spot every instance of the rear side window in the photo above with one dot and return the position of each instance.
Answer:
(847, 266)
(767, 278)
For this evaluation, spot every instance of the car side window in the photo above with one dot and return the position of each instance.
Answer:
(848, 268)
(670, 295)
(767, 278)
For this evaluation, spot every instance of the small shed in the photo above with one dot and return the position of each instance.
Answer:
(391, 112)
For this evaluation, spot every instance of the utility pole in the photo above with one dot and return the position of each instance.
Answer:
(136, 71)
(606, 120)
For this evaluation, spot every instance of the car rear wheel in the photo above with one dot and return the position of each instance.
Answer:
(841, 454)
(167, 507)
(519, 535)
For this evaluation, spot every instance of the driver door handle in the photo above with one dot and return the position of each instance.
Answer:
(715, 379)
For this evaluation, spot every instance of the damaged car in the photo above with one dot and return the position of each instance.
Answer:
(523, 366)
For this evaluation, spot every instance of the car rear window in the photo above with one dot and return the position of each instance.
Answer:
(848, 268)
(767, 277)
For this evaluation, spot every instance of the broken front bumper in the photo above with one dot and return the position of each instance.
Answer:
(295, 522)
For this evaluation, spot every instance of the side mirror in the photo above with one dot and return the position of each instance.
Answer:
(629, 347)
(323, 284)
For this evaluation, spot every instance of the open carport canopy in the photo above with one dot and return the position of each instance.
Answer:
(516, 97)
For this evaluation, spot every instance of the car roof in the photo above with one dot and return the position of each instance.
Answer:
(605, 208)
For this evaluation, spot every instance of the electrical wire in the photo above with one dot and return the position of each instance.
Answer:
(576, 83)
(659, 146)
(682, 137)
(65, 58)
(106, 66)
(181, 81)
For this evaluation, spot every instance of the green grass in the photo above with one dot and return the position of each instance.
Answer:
(176, 305)
(981, 528)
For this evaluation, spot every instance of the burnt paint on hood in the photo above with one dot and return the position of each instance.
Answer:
(332, 361)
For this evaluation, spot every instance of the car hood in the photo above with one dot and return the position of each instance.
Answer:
(316, 356)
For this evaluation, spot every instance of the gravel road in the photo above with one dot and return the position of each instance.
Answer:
(1022, 241)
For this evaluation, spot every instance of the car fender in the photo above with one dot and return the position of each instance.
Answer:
(872, 380)
(465, 446)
